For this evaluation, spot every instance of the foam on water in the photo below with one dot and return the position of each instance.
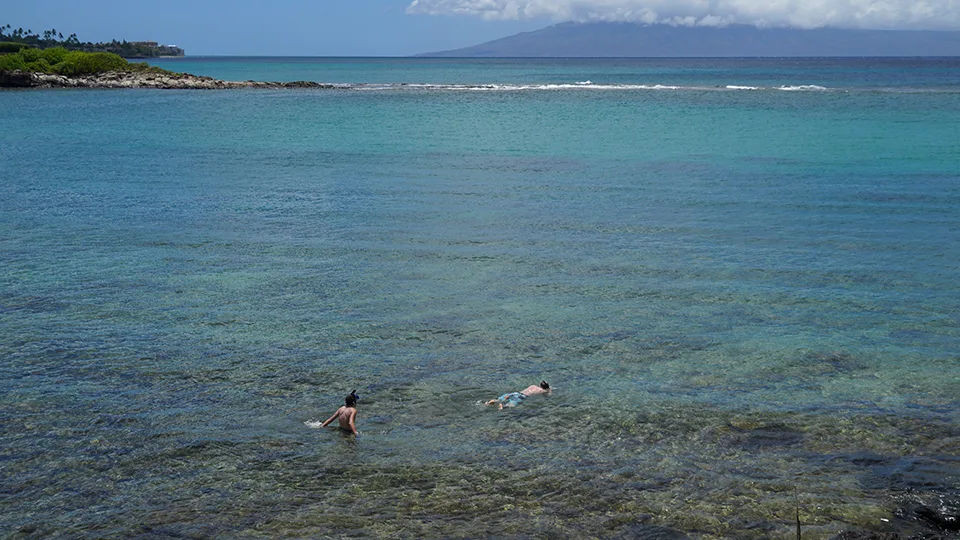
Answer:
(803, 88)
(622, 87)
(537, 87)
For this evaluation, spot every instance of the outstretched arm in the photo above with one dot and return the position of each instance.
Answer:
(331, 419)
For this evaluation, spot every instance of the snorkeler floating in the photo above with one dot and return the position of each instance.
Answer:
(346, 414)
(514, 398)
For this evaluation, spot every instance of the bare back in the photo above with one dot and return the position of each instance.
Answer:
(533, 390)
(346, 418)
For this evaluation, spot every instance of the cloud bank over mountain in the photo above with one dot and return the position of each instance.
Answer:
(867, 14)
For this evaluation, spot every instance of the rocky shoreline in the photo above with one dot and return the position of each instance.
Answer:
(132, 79)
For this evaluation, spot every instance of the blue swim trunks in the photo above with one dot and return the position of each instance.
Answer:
(512, 399)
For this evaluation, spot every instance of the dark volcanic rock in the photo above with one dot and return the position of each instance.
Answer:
(869, 535)
(866, 535)
(16, 79)
(942, 513)
(125, 79)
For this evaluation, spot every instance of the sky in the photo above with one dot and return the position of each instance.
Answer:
(408, 27)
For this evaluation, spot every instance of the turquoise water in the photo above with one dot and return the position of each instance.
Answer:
(740, 277)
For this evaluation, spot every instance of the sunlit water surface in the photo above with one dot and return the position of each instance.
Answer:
(746, 300)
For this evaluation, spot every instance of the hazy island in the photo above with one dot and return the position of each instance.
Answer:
(633, 40)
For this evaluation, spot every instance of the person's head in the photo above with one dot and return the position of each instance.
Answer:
(351, 400)
(544, 385)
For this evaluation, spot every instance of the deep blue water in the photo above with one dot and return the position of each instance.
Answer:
(740, 276)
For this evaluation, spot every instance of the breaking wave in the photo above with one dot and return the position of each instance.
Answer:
(581, 85)
(803, 88)
(592, 86)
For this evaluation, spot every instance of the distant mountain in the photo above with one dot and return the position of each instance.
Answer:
(635, 40)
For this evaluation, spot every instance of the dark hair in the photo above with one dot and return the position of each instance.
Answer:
(544, 385)
(351, 399)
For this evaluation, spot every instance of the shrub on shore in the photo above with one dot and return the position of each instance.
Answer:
(7, 47)
(60, 61)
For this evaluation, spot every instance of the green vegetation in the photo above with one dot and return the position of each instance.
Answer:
(11, 47)
(61, 61)
(11, 40)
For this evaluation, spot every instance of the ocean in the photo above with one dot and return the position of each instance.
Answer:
(739, 276)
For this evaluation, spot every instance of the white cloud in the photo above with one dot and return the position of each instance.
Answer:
(877, 14)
